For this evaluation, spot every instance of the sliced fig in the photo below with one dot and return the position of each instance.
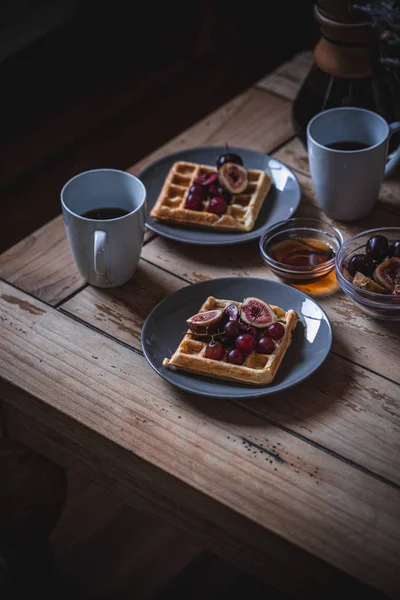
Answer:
(231, 311)
(365, 283)
(205, 321)
(258, 313)
(396, 291)
(233, 177)
(388, 273)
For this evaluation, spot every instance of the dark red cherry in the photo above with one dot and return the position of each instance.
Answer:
(265, 345)
(250, 329)
(201, 178)
(394, 249)
(276, 331)
(194, 202)
(217, 206)
(198, 190)
(229, 157)
(235, 357)
(246, 343)
(361, 263)
(215, 350)
(218, 190)
(377, 247)
(231, 328)
(212, 178)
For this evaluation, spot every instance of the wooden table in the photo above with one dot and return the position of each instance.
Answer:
(301, 489)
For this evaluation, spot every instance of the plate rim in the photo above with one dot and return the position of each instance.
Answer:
(259, 392)
(240, 240)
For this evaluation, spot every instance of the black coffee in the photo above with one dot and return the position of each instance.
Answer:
(104, 214)
(348, 146)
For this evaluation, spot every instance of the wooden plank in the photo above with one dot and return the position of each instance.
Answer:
(356, 398)
(369, 342)
(287, 79)
(103, 406)
(294, 155)
(253, 119)
(42, 264)
(120, 312)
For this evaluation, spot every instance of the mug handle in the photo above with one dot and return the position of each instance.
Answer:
(393, 162)
(100, 264)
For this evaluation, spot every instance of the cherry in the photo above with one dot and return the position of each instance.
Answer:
(210, 179)
(198, 190)
(201, 178)
(265, 345)
(394, 249)
(276, 331)
(361, 263)
(229, 157)
(232, 312)
(217, 206)
(377, 247)
(235, 357)
(246, 343)
(219, 190)
(231, 328)
(215, 350)
(250, 329)
(194, 202)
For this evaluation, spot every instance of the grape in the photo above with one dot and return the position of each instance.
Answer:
(265, 345)
(231, 328)
(215, 350)
(276, 331)
(217, 206)
(361, 263)
(235, 357)
(246, 343)
(377, 247)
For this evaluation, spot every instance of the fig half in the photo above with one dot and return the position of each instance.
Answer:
(388, 273)
(204, 321)
(233, 177)
(258, 313)
(365, 283)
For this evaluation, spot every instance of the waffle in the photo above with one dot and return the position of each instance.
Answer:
(257, 368)
(240, 215)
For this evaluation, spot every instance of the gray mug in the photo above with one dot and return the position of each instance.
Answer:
(347, 181)
(106, 250)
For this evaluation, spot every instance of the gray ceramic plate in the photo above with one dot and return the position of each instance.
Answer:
(283, 197)
(166, 324)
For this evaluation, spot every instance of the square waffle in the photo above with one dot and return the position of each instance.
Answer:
(240, 215)
(257, 368)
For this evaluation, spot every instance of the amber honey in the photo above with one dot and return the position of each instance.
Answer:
(301, 252)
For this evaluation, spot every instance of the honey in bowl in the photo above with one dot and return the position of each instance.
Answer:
(301, 252)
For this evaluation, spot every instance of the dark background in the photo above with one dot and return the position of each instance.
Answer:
(88, 84)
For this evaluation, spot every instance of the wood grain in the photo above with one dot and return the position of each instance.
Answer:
(253, 119)
(160, 439)
(121, 311)
(286, 80)
(294, 155)
(323, 413)
(42, 264)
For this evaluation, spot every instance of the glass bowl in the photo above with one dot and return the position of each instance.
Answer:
(312, 230)
(379, 306)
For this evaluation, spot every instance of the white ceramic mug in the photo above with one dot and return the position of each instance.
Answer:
(106, 251)
(347, 182)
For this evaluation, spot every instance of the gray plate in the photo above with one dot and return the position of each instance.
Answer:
(283, 197)
(166, 324)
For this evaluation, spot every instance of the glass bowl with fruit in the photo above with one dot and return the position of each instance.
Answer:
(300, 250)
(368, 271)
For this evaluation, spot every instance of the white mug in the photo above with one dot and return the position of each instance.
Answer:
(106, 250)
(347, 182)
